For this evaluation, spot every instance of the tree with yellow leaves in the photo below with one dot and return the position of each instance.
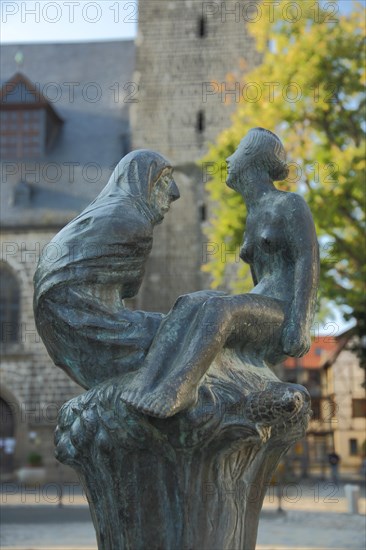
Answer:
(309, 89)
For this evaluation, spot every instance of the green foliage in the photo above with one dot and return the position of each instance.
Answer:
(310, 89)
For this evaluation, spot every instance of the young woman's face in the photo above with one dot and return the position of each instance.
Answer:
(237, 164)
(165, 191)
(267, 155)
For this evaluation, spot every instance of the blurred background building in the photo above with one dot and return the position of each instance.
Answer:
(332, 374)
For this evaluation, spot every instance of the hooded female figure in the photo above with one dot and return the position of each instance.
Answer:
(95, 262)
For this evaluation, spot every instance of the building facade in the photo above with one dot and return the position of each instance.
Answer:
(332, 374)
(342, 382)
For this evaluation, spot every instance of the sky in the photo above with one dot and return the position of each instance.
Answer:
(82, 20)
(67, 21)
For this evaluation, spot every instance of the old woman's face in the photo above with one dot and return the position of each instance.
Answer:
(165, 192)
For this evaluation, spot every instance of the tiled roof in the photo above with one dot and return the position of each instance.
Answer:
(324, 350)
(84, 83)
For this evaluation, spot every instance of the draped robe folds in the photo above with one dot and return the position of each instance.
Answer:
(91, 340)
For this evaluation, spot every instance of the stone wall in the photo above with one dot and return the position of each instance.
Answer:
(30, 383)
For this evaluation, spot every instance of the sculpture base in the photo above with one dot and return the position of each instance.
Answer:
(194, 481)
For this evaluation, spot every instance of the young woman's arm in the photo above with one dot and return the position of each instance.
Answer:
(303, 251)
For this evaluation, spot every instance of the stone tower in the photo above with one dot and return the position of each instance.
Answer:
(185, 50)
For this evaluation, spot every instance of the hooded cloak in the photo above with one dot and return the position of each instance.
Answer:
(110, 240)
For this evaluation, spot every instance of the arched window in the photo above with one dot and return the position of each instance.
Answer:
(9, 305)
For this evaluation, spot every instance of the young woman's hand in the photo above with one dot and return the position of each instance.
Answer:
(295, 340)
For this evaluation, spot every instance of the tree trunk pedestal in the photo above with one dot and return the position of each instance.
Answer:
(195, 481)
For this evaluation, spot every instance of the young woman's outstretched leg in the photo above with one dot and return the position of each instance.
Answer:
(169, 379)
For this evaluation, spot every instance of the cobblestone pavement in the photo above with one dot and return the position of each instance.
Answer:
(301, 529)
(292, 531)
(314, 518)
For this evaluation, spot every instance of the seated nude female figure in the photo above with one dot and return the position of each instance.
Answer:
(272, 321)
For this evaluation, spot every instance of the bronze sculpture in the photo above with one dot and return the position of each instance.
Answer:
(194, 389)
(95, 262)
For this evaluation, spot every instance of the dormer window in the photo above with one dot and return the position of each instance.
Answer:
(29, 124)
(22, 134)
